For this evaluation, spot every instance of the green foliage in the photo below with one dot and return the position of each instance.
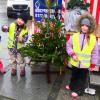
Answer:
(48, 44)
(49, 3)
(77, 3)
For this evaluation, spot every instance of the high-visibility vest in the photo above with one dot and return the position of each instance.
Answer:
(11, 36)
(83, 55)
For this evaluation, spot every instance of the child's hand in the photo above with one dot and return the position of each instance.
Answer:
(20, 39)
(92, 69)
(75, 58)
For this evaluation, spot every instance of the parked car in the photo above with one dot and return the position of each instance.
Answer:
(16, 7)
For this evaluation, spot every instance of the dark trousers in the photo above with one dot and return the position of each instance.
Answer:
(78, 80)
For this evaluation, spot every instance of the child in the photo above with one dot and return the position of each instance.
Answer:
(17, 36)
(83, 51)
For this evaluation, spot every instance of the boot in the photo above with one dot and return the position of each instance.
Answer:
(67, 87)
(74, 95)
(22, 72)
(13, 72)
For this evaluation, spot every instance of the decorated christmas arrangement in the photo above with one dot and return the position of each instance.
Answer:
(48, 43)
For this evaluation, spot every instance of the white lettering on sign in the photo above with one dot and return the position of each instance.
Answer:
(44, 10)
(43, 15)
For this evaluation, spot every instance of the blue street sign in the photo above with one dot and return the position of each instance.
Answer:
(40, 10)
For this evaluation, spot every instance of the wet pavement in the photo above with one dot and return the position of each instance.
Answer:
(30, 87)
(35, 87)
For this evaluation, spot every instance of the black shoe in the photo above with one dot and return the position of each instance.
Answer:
(13, 72)
(22, 73)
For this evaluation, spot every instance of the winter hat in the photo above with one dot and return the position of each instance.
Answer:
(86, 21)
(24, 17)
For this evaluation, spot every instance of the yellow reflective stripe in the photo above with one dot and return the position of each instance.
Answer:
(84, 55)
(10, 45)
(10, 42)
(23, 32)
(10, 39)
(85, 61)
